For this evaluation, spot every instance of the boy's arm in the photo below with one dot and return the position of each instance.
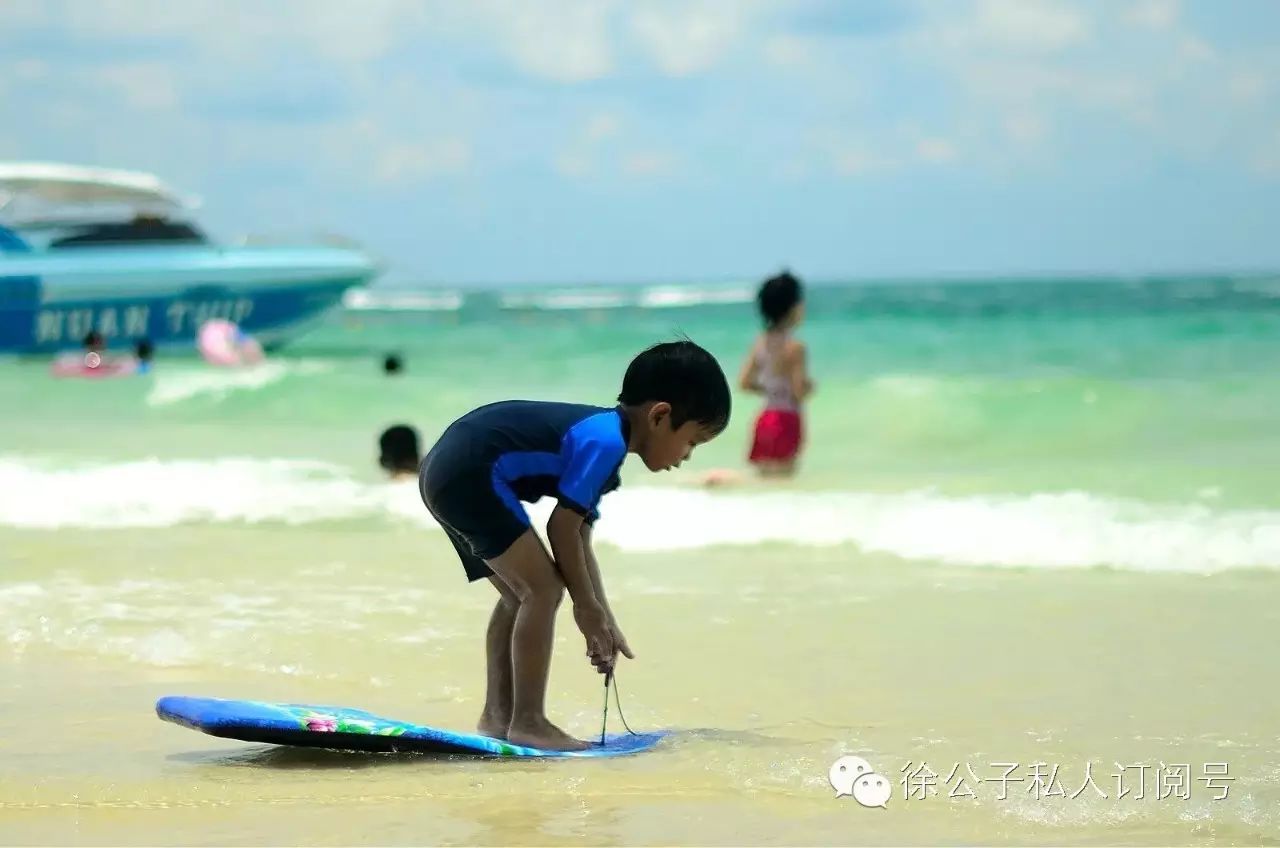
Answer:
(566, 548)
(590, 614)
(593, 569)
(593, 450)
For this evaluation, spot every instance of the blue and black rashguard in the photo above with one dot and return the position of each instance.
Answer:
(492, 458)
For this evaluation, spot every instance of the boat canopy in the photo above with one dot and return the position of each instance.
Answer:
(34, 193)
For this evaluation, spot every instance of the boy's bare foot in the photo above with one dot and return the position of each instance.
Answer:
(494, 728)
(540, 733)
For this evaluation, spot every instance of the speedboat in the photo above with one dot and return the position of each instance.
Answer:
(116, 252)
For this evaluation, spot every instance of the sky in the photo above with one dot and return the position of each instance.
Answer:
(500, 141)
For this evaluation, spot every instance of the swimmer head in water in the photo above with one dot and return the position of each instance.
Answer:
(399, 452)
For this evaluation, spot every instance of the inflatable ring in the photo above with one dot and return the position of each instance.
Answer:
(224, 344)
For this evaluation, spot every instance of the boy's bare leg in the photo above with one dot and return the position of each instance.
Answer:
(496, 717)
(528, 570)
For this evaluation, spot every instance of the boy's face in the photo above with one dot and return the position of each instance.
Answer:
(666, 447)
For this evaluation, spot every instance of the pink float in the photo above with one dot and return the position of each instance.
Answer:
(223, 343)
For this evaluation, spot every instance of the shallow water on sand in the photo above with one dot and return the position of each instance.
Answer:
(769, 663)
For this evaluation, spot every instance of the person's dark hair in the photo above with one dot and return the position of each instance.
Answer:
(685, 376)
(94, 339)
(392, 363)
(143, 350)
(398, 448)
(777, 297)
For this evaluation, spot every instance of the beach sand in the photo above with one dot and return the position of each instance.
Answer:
(767, 663)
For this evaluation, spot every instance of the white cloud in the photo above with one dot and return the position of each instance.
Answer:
(1266, 157)
(24, 13)
(198, 19)
(1195, 49)
(581, 157)
(1018, 26)
(1143, 71)
(408, 162)
(30, 69)
(1153, 14)
(856, 161)
(1023, 83)
(602, 125)
(793, 170)
(1247, 86)
(579, 164)
(986, 78)
(1025, 128)
(685, 38)
(356, 33)
(141, 85)
(574, 165)
(936, 151)
(332, 28)
(561, 41)
(856, 153)
(788, 51)
(648, 163)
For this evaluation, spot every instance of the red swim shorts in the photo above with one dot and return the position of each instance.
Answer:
(779, 433)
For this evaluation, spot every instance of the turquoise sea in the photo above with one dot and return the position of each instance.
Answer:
(1036, 520)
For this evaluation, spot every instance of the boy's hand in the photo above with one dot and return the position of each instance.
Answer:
(605, 664)
(594, 624)
(620, 645)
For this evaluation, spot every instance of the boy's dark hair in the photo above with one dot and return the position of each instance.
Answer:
(143, 350)
(94, 339)
(392, 363)
(685, 376)
(399, 448)
(777, 297)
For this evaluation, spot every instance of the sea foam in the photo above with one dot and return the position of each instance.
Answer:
(1046, 530)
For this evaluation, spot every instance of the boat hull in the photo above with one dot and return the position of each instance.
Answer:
(49, 303)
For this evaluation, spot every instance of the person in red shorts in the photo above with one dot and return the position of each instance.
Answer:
(776, 367)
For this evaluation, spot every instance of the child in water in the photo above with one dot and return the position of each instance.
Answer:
(776, 367)
(398, 451)
(142, 352)
(674, 397)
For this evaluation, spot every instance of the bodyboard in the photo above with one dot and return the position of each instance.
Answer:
(349, 729)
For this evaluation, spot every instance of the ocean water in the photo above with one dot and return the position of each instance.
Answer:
(1037, 522)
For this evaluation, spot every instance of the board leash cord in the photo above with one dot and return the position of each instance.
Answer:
(604, 724)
